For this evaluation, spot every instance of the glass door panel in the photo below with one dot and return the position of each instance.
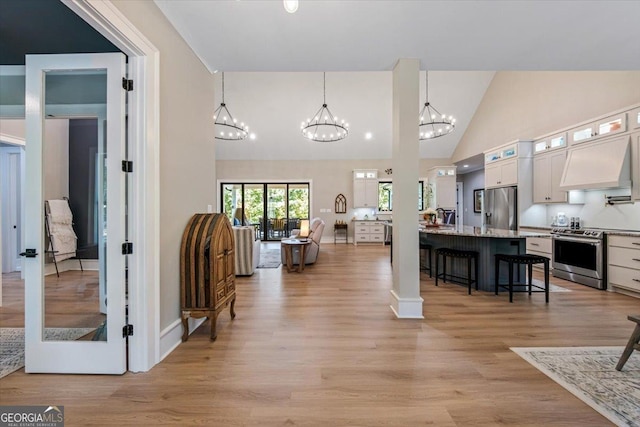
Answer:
(254, 208)
(298, 206)
(76, 193)
(276, 211)
(232, 202)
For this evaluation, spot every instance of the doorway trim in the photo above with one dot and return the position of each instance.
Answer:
(144, 141)
(459, 203)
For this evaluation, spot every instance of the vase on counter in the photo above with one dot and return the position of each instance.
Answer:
(430, 218)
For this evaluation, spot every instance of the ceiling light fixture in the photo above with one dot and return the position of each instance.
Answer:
(324, 127)
(226, 127)
(290, 5)
(432, 123)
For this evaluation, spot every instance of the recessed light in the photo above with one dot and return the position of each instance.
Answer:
(465, 166)
(252, 136)
(368, 135)
(290, 5)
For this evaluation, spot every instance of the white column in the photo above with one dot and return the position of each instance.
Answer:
(405, 296)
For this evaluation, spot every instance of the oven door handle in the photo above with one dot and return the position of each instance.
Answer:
(591, 242)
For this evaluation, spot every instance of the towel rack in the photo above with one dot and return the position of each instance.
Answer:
(617, 200)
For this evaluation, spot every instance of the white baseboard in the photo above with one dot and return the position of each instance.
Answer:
(406, 308)
(71, 264)
(171, 336)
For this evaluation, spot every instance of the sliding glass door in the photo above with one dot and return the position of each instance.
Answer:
(274, 209)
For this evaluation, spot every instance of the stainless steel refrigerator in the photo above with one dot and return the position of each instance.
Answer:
(501, 208)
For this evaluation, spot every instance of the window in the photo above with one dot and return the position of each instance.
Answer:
(274, 209)
(385, 196)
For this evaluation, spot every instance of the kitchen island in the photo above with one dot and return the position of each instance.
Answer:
(486, 241)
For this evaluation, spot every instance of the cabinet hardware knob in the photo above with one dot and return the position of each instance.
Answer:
(636, 280)
(635, 243)
(535, 244)
(635, 259)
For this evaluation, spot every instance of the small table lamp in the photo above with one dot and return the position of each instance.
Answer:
(304, 229)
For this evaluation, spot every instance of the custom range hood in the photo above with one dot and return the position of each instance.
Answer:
(598, 165)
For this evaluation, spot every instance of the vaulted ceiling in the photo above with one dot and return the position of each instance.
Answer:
(273, 60)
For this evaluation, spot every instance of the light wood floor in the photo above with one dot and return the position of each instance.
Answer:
(323, 348)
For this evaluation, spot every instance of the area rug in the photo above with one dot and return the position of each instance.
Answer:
(589, 374)
(270, 258)
(12, 344)
(552, 287)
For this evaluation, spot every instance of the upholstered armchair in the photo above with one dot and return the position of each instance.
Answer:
(247, 249)
(311, 253)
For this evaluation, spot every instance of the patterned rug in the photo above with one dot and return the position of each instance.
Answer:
(12, 344)
(552, 287)
(589, 374)
(269, 258)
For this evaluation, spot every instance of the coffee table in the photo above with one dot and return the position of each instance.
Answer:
(288, 245)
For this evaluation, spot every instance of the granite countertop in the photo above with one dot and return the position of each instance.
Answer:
(537, 227)
(631, 233)
(480, 232)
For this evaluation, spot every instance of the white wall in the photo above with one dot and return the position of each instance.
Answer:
(328, 177)
(56, 159)
(527, 104)
(472, 181)
(524, 105)
(187, 156)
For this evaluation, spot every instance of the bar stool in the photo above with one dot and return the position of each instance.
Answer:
(517, 260)
(457, 253)
(426, 247)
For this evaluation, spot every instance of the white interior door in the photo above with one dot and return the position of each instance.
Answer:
(10, 162)
(65, 331)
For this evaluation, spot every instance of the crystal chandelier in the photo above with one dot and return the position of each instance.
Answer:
(432, 123)
(324, 127)
(226, 126)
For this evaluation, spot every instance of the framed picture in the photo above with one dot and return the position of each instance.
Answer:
(477, 200)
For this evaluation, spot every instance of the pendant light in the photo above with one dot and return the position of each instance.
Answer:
(324, 127)
(226, 126)
(432, 123)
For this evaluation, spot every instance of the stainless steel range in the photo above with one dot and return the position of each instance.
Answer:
(578, 255)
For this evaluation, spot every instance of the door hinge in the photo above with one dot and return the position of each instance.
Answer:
(127, 248)
(127, 166)
(127, 84)
(127, 331)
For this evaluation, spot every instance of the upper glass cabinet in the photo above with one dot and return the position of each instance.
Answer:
(608, 126)
(501, 153)
(552, 142)
(634, 119)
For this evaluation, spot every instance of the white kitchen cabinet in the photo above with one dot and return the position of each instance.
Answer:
(365, 189)
(547, 173)
(604, 127)
(501, 174)
(542, 246)
(623, 254)
(442, 180)
(504, 165)
(635, 165)
(501, 153)
(368, 232)
(634, 119)
(552, 142)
